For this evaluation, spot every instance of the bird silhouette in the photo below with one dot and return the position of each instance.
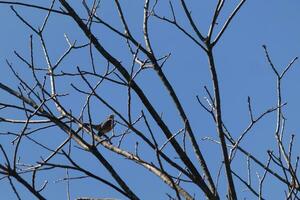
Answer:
(104, 127)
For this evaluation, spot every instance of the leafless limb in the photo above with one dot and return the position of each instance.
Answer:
(41, 107)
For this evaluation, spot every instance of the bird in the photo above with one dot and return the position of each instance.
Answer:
(104, 127)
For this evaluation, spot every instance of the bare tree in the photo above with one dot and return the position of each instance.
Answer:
(56, 118)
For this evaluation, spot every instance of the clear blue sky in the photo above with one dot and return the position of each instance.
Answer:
(241, 64)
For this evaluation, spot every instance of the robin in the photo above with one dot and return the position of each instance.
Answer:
(103, 127)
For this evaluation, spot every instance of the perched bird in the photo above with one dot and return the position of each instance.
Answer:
(103, 127)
